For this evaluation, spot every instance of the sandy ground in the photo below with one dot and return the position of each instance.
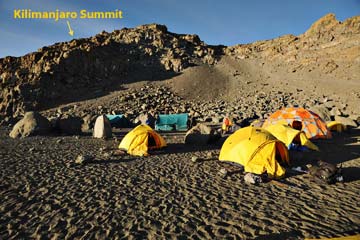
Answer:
(44, 194)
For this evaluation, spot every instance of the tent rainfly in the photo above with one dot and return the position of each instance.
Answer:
(141, 139)
(257, 150)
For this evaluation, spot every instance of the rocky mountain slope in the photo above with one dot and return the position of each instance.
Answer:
(332, 42)
(328, 54)
(325, 60)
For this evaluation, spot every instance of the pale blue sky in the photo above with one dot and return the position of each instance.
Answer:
(226, 22)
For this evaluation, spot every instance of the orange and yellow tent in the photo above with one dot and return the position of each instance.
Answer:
(301, 119)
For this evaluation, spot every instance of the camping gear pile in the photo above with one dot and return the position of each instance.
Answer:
(326, 172)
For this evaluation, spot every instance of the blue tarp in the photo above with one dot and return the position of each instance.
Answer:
(172, 122)
(118, 121)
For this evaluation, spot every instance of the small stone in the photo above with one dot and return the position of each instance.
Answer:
(223, 172)
(195, 159)
(186, 211)
(329, 104)
(31, 149)
(82, 159)
(118, 152)
(250, 178)
(335, 112)
(144, 106)
(308, 166)
(59, 141)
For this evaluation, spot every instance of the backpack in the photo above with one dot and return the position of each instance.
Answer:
(326, 173)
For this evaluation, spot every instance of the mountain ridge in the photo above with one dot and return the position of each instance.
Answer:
(88, 67)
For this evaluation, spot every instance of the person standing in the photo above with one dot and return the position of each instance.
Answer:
(226, 125)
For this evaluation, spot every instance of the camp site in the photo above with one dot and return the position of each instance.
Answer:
(180, 120)
(263, 164)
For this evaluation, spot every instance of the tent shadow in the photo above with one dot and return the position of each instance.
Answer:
(184, 148)
(208, 159)
(351, 174)
(339, 149)
(120, 133)
(293, 173)
(108, 161)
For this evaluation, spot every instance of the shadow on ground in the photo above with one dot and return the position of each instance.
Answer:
(343, 147)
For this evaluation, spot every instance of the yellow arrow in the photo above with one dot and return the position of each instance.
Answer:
(71, 32)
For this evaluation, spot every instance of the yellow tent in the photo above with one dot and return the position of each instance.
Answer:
(257, 150)
(139, 140)
(336, 126)
(287, 135)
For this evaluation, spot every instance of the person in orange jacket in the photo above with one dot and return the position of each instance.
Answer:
(226, 124)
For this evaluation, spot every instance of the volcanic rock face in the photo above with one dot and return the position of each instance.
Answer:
(68, 71)
(88, 68)
(328, 40)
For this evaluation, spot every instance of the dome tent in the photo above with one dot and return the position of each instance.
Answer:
(336, 126)
(301, 119)
(257, 150)
(288, 135)
(141, 139)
